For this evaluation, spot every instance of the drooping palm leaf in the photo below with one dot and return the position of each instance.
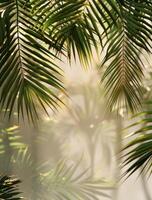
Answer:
(139, 150)
(78, 25)
(9, 188)
(66, 21)
(28, 73)
(126, 41)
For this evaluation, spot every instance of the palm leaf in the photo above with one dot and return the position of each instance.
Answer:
(9, 188)
(139, 150)
(67, 23)
(124, 71)
(28, 73)
(78, 25)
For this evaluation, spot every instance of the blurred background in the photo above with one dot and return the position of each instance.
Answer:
(75, 153)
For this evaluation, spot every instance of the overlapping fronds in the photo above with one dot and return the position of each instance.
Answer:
(9, 188)
(67, 24)
(74, 27)
(139, 151)
(126, 41)
(74, 24)
(126, 27)
(28, 74)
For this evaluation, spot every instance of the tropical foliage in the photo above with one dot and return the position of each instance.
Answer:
(139, 149)
(35, 36)
(33, 31)
(26, 63)
(125, 43)
(9, 188)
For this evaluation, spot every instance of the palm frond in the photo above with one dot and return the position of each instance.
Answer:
(139, 151)
(67, 23)
(126, 41)
(76, 25)
(28, 73)
(9, 188)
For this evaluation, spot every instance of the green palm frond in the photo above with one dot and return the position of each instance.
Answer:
(9, 188)
(67, 23)
(126, 41)
(28, 73)
(139, 151)
(78, 25)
